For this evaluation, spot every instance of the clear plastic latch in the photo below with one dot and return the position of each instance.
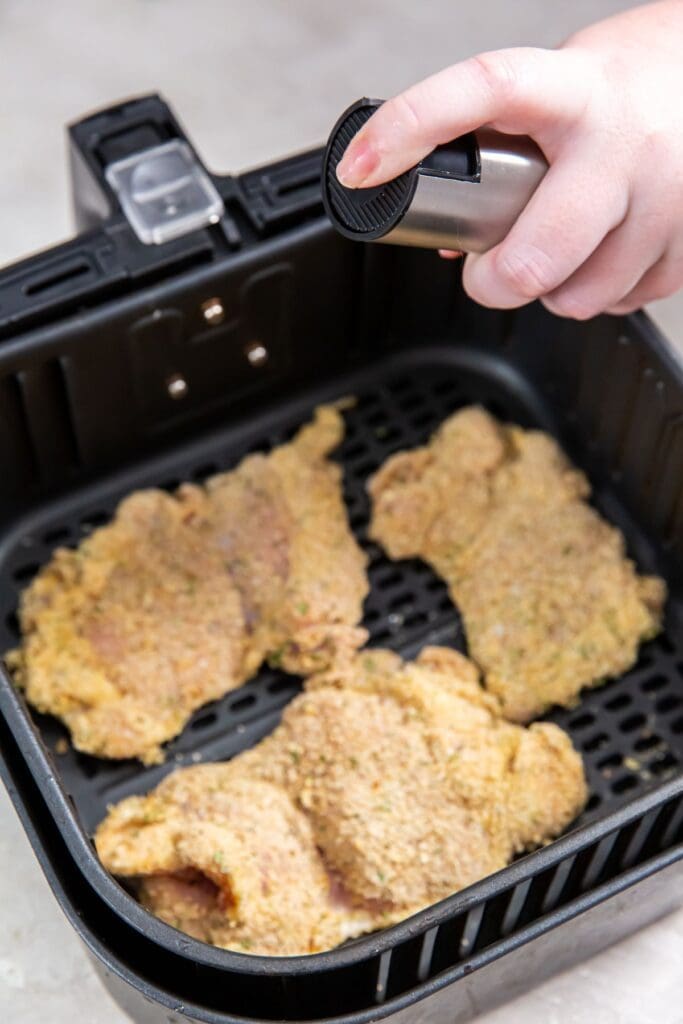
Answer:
(164, 192)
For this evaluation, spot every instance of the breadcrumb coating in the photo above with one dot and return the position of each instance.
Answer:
(550, 602)
(182, 597)
(387, 786)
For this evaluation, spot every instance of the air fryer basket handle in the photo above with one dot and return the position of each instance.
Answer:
(110, 135)
(272, 198)
(107, 258)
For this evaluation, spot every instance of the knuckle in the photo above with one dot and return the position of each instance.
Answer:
(527, 271)
(571, 305)
(624, 308)
(495, 73)
(670, 278)
(405, 111)
(659, 290)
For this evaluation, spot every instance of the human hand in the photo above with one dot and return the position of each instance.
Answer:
(604, 229)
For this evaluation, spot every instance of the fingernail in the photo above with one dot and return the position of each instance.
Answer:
(358, 162)
(450, 254)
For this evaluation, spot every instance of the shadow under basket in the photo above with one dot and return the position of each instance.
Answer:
(91, 409)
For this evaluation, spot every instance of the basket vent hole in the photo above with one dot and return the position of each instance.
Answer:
(624, 783)
(596, 742)
(635, 721)
(668, 703)
(654, 683)
(663, 764)
(282, 684)
(389, 580)
(593, 802)
(677, 725)
(611, 761)
(581, 721)
(617, 703)
(401, 601)
(648, 742)
(242, 703)
(205, 720)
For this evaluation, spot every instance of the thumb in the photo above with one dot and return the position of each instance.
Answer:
(525, 90)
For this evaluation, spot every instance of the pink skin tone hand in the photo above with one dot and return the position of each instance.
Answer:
(604, 230)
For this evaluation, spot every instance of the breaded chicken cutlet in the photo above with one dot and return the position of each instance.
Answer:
(550, 602)
(183, 596)
(387, 786)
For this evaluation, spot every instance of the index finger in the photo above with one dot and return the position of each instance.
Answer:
(524, 90)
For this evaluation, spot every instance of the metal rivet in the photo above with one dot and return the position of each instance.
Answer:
(176, 386)
(213, 311)
(256, 353)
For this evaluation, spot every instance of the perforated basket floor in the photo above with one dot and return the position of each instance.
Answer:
(630, 731)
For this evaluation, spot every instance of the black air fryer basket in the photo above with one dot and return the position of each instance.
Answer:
(125, 363)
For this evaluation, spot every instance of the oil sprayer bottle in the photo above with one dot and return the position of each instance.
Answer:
(465, 195)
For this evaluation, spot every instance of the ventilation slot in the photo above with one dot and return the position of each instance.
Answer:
(17, 454)
(66, 275)
(49, 420)
(447, 945)
(304, 181)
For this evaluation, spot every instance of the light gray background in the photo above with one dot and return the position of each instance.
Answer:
(251, 81)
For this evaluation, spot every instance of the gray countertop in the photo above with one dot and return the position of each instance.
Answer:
(251, 82)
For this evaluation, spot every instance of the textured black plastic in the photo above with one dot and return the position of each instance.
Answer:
(366, 213)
